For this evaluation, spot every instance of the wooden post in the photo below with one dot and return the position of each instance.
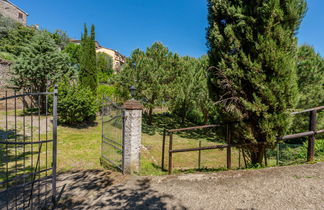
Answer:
(239, 150)
(278, 152)
(311, 139)
(229, 149)
(170, 154)
(265, 157)
(163, 150)
(199, 155)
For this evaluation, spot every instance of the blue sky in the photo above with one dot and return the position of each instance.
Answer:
(125, 25)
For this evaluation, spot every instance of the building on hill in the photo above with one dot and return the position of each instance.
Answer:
(9, 10)
(118, 59)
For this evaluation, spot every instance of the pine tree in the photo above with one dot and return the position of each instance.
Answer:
(252, 51)
(150, 72)
(40, 65)
(88, 68)
(310, 72)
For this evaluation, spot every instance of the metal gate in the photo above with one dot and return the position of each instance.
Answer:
(28, 150)
(112, 149)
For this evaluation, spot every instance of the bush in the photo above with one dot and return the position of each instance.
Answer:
(318, 149)
(7, 56)
(106, 91)
(76, 104)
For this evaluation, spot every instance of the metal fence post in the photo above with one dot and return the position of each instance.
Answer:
(170, 153)
(54, 144)
(163, 150)
(311, 139)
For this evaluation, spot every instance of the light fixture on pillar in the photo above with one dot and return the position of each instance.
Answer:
(132, 91)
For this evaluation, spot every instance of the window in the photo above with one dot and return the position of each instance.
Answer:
(20, 16)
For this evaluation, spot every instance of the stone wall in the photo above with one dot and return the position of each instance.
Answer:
(9, 10)
(4, 73)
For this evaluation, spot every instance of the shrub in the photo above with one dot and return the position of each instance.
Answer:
(318, 149)
(7, 56)
(76, 104)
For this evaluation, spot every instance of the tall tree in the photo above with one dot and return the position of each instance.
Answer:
(202, 100)
(40, 64)
(150, 72)
(88, 68)
(183, 95)
(310, 72)
(252, 48)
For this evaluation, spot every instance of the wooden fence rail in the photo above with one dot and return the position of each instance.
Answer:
(310, 134)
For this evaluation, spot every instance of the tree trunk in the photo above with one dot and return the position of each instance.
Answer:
(150, 116)
(257, 154)
(184, 112)
(206, 116)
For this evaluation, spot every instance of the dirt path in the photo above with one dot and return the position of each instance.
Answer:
(294, 187)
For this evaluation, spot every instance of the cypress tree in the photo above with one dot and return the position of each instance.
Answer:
(252, 51)
(88, 68)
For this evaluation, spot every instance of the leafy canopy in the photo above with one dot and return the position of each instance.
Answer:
(150, 72)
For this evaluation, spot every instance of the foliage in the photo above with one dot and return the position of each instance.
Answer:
(318, 149)
(182, 101)
(202, 100)
(88, 70)
(252, 48)
(14, 36)
(40, 64)
(310, 71)
(7, 56)
(104, 90)
(104, 67)
(76, 104)
(6, 24)
(61, 38)
(295, 153)
(74, 51)
(190, 98)
(150, 72)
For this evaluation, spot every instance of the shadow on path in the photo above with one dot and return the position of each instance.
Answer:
(97, 189)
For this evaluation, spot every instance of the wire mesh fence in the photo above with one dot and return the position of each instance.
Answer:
(112, 134)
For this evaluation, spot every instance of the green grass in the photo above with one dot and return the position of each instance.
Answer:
(80, 149)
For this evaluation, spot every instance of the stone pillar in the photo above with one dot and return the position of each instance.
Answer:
(132, 134)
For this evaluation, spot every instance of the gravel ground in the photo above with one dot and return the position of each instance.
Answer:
(293, 187)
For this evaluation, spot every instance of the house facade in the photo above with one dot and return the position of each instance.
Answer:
(9, 10)
(118, 59)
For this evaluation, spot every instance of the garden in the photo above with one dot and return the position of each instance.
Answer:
(256, 84)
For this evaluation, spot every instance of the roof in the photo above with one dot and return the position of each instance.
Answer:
(101, 47)
(16, 7)
(98, 46)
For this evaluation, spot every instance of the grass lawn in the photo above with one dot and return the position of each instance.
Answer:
(80, 148)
